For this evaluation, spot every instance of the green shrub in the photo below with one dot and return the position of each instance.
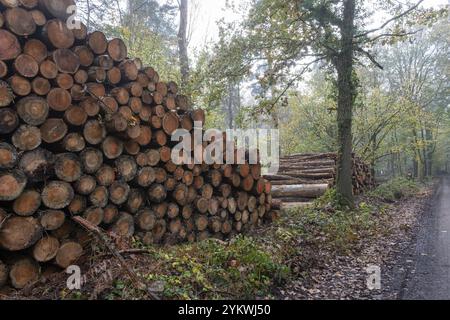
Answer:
(210, 269)
(395, 189)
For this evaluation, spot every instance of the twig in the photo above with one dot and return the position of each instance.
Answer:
(106, 242)
(390, 20)
(127, 252)
(4, 220)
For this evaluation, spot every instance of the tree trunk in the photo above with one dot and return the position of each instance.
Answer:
(346, 94)
(182, 43)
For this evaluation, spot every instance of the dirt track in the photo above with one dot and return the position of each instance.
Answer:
(429, 278)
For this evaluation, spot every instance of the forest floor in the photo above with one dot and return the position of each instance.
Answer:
(388, 244)
(316, 253)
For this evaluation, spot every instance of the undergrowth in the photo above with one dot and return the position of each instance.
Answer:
(212, 269)
(396, 189)
(250, 267)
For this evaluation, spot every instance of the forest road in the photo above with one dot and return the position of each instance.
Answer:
(429, 279)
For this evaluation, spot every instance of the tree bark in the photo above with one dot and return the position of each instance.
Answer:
(346, 95)
(183, 43)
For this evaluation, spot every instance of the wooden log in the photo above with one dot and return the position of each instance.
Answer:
(97, 42)
(207, 191)
(26, 66)
(160, 175)
(56, 8)
(10, 3)
(213, 206)
(46, 249)
(91, 160)
(38, 18)
(121, 95)
(201, 223)
(80, 33)
(94, 215)
(119, 192)
(106, 175)
(126, 167)
(117, 50)
(77, 206)
(159, 230)
(19, 233)
(6, 94)
(96, 90)
(9, 121)
(53, 130)
(146, 176)
(19, 21)
(202, 205)
(170, 123)
(57, 195)
(145, 136)
(65, 231)
(85, 55)
(157, 193)
(94, 132)
(19, 85)
(96, 74)
(8, 156)
(68, 167)
(132, 147)
(112, 147)
(75, 116)
(64, 81)
(27, 203)
(80, 77)
(145, 220)
(113, 76)
(136, 200)
(160, 209)
(36, 49)
(12, 184)
(99, 197)
(74, 142)
(37, 164)
(29, 4)
(24, 272)
(9, 46)
(40, 86)
(303, 191)
(57, 34)
(124, 226)
(59, 99)
(110, 214)
(48, 69)
(85, 185)
(68, 254)
(129, 70)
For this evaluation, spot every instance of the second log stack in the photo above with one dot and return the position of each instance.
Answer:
(305, 177)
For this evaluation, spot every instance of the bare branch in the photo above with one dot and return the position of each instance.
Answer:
(370, 57)
(390, 20)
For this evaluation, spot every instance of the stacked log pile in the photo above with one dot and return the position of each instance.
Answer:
(304, 177)
(84, 130)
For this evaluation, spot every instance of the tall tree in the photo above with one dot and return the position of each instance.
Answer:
(302, 33)
(183, 42)
(343, 62)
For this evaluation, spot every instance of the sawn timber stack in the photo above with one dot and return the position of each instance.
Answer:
(305, 177)
(86, 130)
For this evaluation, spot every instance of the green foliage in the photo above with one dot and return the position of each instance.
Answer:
(213, 270)
(396, 189)
(330, 225)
